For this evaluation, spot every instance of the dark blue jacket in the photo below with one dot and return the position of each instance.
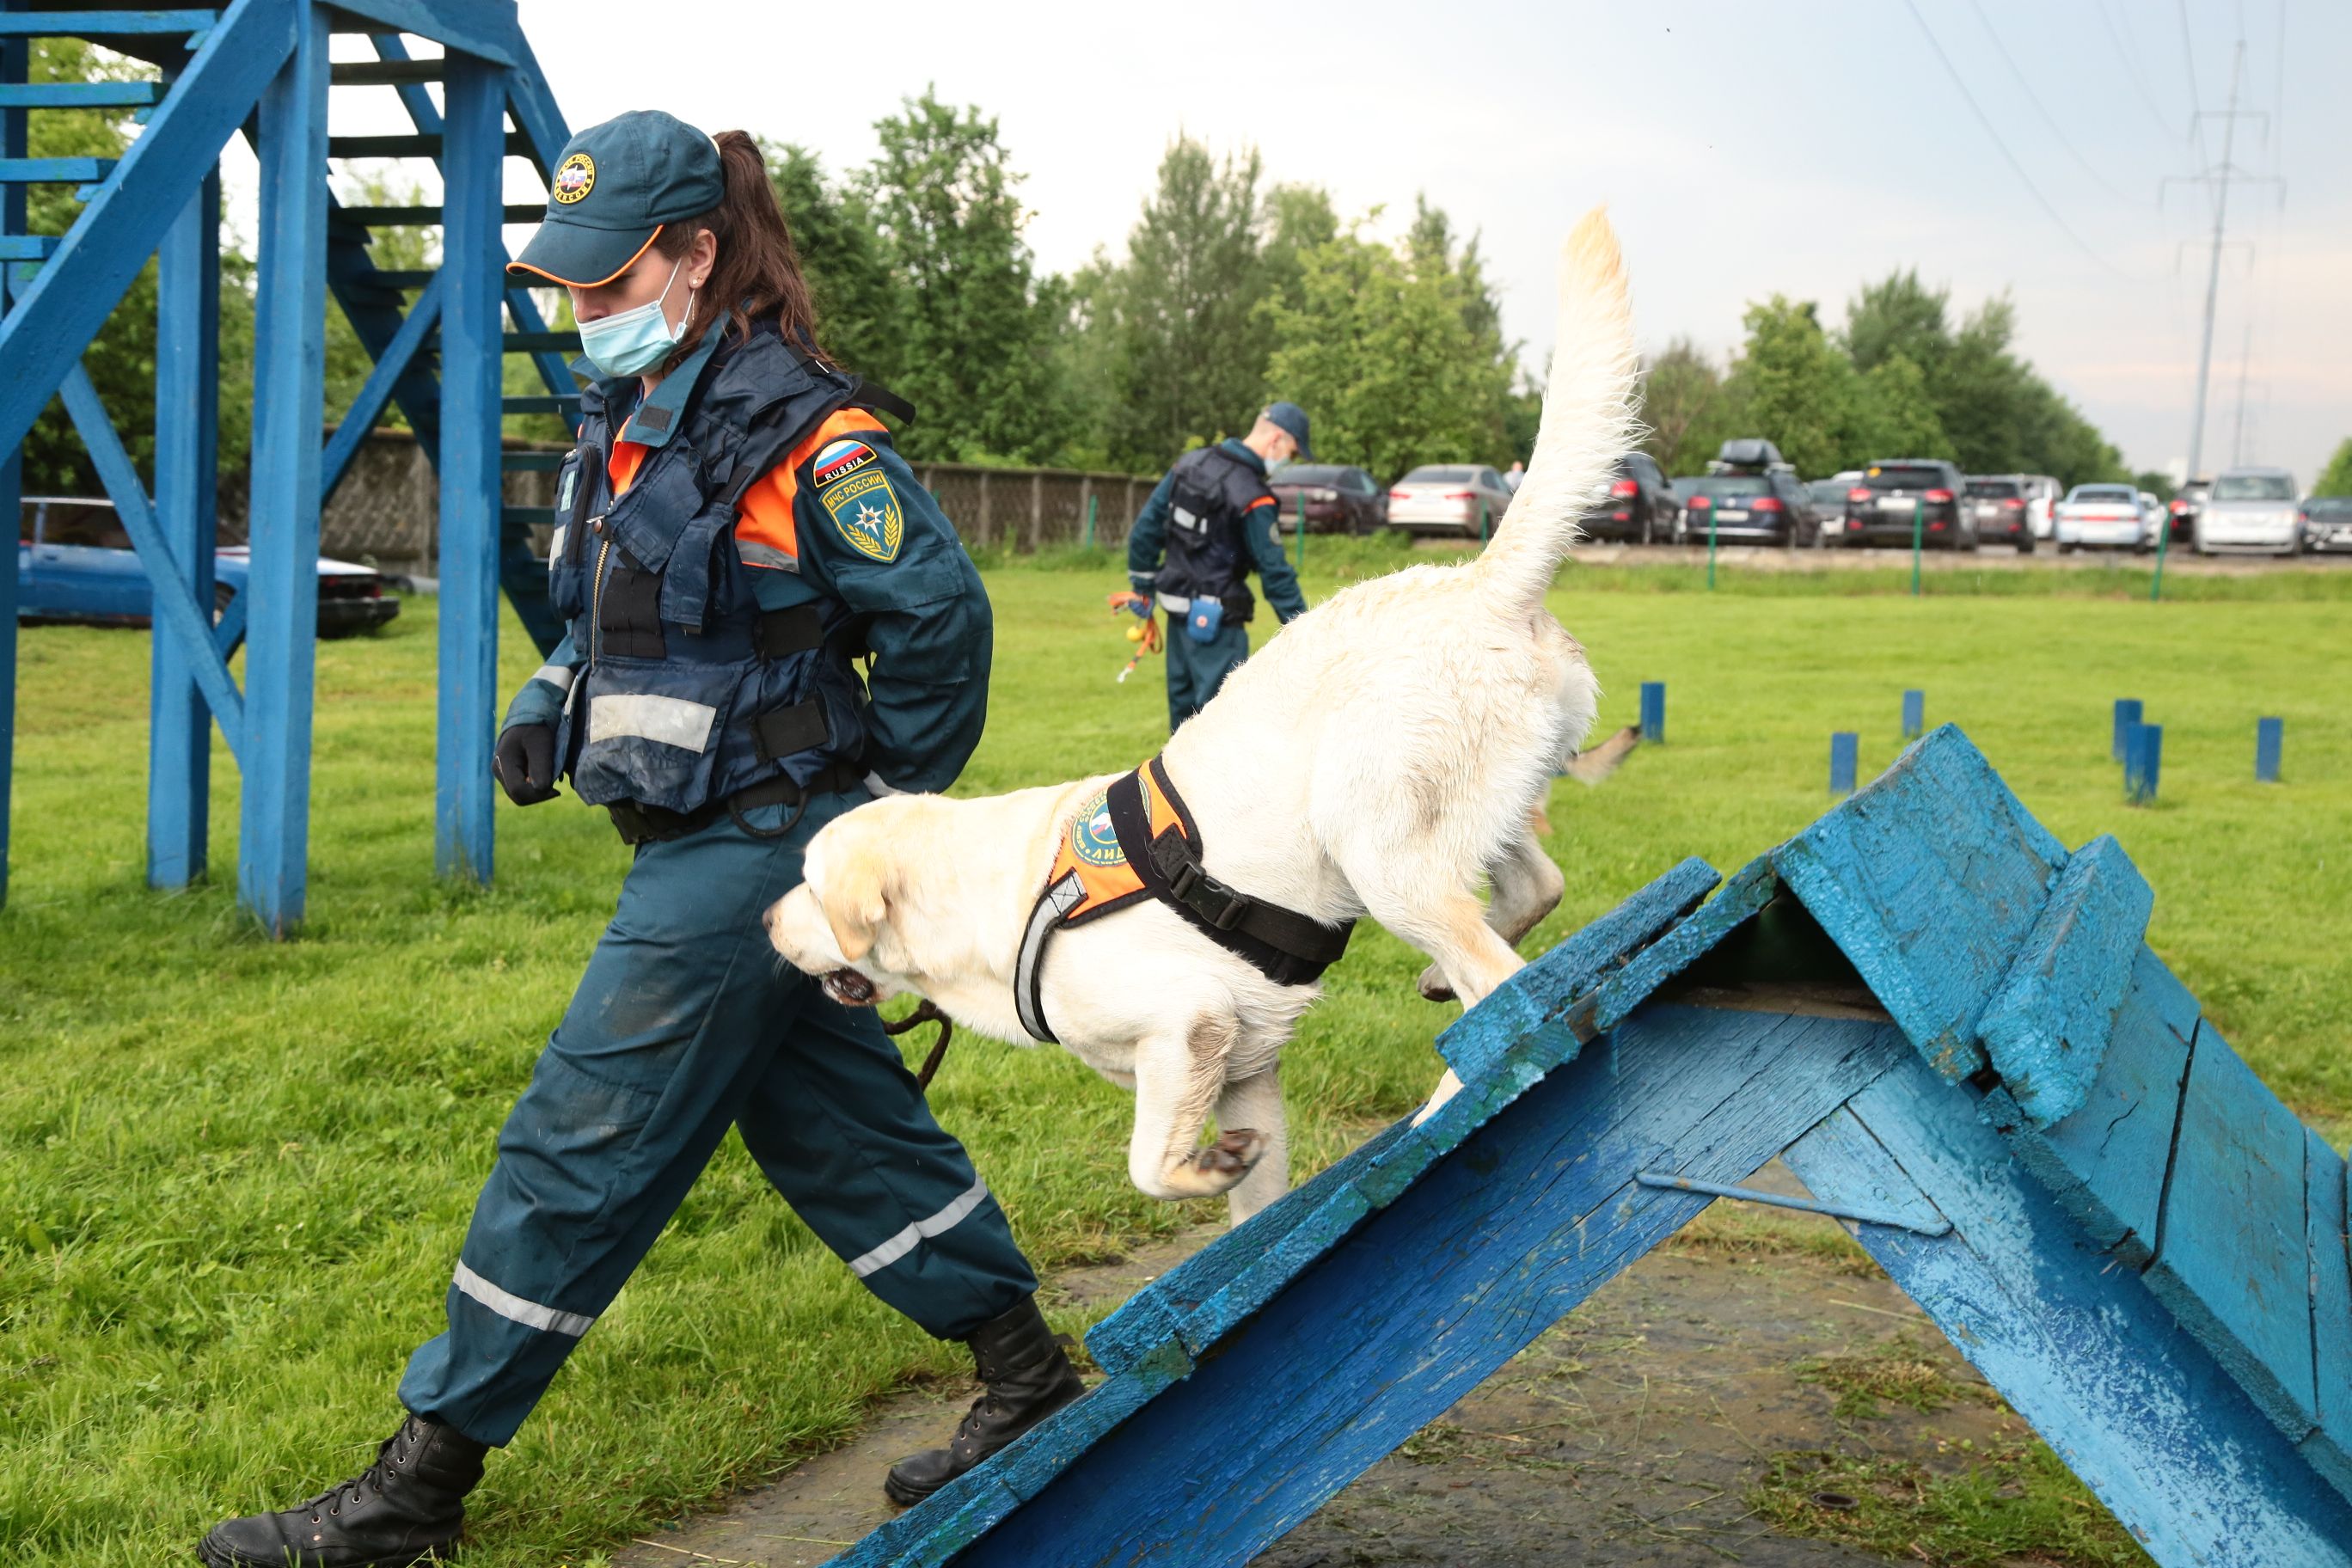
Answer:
(1249, 524)
(694, 667)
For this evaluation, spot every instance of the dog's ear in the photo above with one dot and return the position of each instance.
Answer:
(855, 900)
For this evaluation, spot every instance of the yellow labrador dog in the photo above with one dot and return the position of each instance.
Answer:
(1384, 754)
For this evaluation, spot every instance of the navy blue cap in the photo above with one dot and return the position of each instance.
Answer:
(1291, 420)
(615, 187)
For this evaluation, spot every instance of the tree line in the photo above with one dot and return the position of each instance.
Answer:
(1230, 290)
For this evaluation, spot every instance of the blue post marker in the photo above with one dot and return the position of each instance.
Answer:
(472, 262)
(187, 320)
(1653, 713)
(289, 363)
(2127, 713)
(1914, 715)
(2270, 736)
(2143, 762)
(1844, 749)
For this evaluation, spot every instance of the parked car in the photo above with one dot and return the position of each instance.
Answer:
(1828, 497)
(2103, 517)
(1441, 498)
(76, 565)
(1748, 509)
(2249, 509)
(1879, 509)
(2187, 502)
(2041, 493)
(2001, 512)
(2327, 524)
(1339, 499)
(1643, 503)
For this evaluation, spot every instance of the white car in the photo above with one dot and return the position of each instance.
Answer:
(1438, 498)
(2251, 510)
(2102, 517)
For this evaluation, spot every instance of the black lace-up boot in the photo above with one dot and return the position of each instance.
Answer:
(1027, 1378)
(406, 1508)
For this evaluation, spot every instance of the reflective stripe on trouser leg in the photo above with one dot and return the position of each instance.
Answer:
(842, 1129)
(514, 1309)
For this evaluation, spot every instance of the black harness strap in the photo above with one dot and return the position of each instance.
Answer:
(1286, 947)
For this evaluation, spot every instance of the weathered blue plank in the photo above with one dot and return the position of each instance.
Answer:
(390, 365)
(1927, 880)
(2106, 1163)
(473, 264)
(187, 428)
(2230, 1257)
(1739, 902)
(55, 318)
(175, 609)
(2079, 1347)
(101, 24)
(483, 28)
(2329, 1448)
(2046, 1028)
(1531, 998)
(15, 58)
(1501, 1237)
(289, 370)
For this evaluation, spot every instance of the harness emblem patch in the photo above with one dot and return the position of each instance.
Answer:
(1093, 840)
(574, 178)
(864, 508)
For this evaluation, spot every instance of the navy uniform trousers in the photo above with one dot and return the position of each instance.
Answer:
(685, 1023)
(1195, 670)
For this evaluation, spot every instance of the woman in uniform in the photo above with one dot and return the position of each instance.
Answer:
(733, 530)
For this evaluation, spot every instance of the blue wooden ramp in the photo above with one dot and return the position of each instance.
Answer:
(1945, 1022)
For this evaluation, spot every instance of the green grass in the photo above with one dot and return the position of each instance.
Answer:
(2012, 1505)
(233, 1174)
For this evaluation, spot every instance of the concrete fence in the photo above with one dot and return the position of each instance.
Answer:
(386, 511)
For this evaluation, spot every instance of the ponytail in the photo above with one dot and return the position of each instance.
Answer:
(757, 274)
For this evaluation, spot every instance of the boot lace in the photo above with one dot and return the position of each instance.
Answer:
(331, 1501)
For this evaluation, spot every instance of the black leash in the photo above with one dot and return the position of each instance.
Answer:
(927, 1014)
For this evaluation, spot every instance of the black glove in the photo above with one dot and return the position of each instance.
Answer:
(524, 762)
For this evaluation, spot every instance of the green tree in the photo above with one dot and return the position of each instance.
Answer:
(1794, 387)
(1379, 350)
(1899, 416)
(2155, 482)
(2336, 479)
(1297, 218)
(1898, 314)
(1187, 352)
(1687, 408)
(976, 347)
(858, 305)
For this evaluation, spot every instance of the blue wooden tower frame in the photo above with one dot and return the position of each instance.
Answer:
(1953, 1031)
(261, 67)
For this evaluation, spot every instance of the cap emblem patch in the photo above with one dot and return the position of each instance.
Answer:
(574, 178)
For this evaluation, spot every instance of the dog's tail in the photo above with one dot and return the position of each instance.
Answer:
(1588, 418)
(1594, 763)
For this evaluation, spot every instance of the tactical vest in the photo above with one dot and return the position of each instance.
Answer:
(688, 692)
(1210, 492)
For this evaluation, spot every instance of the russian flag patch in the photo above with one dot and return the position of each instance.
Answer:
(841, 459)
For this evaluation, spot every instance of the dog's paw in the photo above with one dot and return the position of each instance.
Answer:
(1434, 984)
(1231, 1154)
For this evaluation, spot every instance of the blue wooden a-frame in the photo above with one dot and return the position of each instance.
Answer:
(1944, 1021)
(262, 66)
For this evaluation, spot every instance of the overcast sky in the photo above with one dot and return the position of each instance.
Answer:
(1800, 148)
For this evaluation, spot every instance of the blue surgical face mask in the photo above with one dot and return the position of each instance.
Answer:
(630, 342)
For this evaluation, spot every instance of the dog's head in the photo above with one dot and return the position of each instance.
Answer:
(836, 925)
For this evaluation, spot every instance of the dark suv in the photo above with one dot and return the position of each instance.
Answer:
(1748, 509)
(1879, 509)
(1642, 504)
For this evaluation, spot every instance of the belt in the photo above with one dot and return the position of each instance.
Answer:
(654, 825)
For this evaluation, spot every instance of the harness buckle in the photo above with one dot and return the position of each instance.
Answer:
(1186, 876)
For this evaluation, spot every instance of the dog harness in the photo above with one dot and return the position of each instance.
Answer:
(1135, 840)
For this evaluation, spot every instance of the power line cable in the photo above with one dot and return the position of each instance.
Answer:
(2034, 98)
(2131, 68)
(2188, 66)
(2017, 168)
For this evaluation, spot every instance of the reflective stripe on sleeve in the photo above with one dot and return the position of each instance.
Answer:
(672, 720)
(559, 676)
(903, 1243)
(514, 1309)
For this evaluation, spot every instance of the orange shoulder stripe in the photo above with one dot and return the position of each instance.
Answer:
(765, 519)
